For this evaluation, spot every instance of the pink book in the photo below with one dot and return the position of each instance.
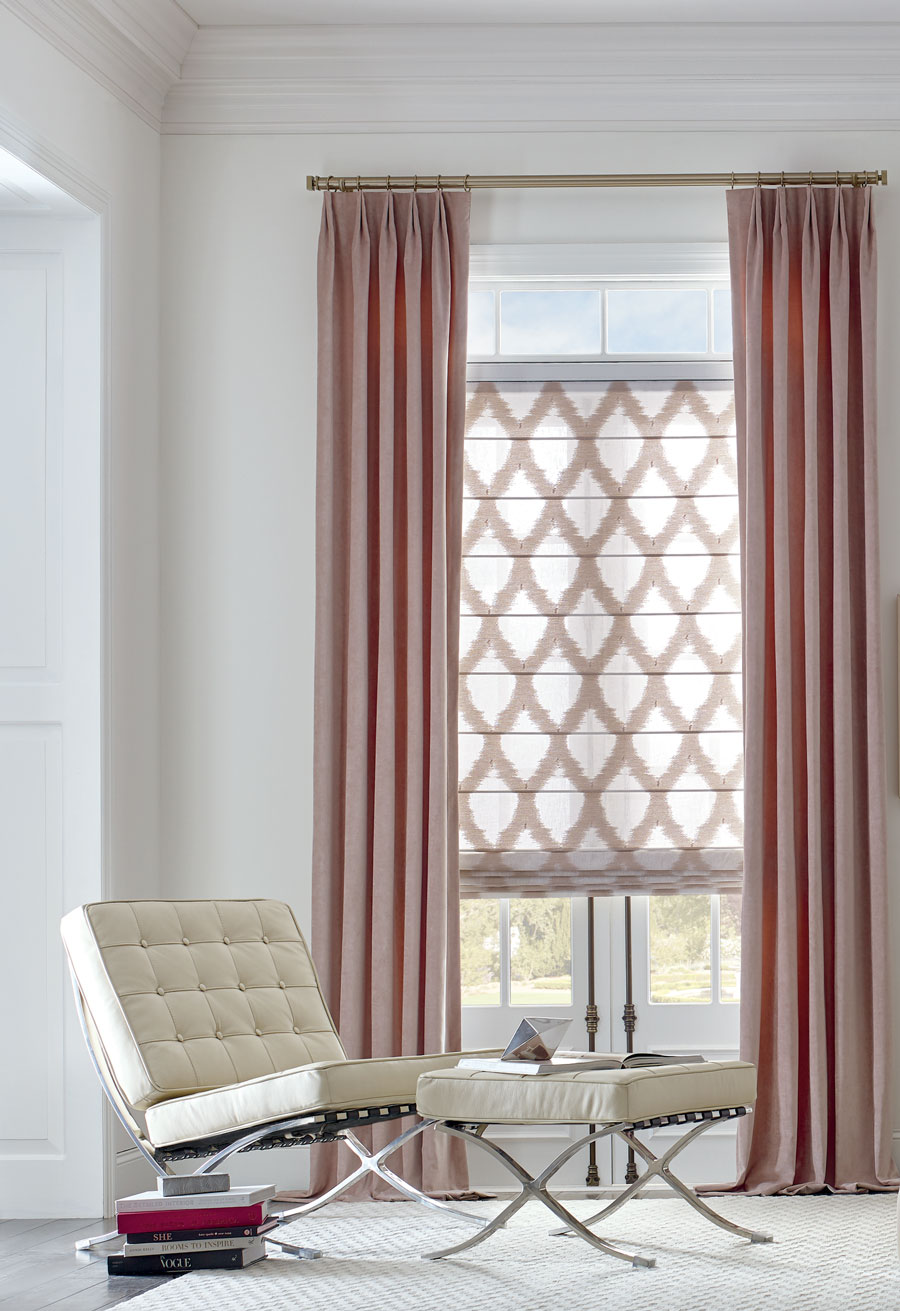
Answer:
(139, 1222)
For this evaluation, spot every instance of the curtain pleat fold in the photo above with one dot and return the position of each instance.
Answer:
(814, 991)
(393, 274)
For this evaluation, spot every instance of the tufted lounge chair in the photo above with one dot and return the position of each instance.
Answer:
(210, 1035)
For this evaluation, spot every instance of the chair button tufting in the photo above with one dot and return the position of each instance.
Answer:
(161, 991)
(218, 1033)
(227, 942)
(179, 1037)
(143, 942)
(186, 941)
(202, 987)
(296, 1029)
(243, 987)
(281, 983)
(265, 939)
(258, 1032)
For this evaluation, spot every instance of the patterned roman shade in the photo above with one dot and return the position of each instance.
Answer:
(600, 685)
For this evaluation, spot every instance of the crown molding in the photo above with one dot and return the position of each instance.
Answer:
(521, 78)
(182, 79)
(134, 49)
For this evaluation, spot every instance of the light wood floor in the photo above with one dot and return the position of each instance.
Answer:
(39, 1268)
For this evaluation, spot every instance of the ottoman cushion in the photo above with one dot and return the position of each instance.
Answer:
(589, 1097)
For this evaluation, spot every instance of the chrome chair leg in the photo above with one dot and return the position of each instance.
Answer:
(658, 1167)
(291, 1249)
(373, 1163)
(96, 1240)
(533, 1186)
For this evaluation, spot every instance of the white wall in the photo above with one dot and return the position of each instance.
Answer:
(239, 238)
(60, 120)
(57, 118)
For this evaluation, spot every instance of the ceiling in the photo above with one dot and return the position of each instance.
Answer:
(268, 13)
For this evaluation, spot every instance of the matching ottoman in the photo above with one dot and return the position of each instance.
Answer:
(620, 1103)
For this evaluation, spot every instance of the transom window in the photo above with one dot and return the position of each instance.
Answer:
(633, 321)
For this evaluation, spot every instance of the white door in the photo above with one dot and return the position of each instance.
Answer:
(51, 607)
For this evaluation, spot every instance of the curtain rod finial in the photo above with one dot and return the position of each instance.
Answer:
(312, 183)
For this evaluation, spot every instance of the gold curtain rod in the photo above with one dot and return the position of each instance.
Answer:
(471, 182)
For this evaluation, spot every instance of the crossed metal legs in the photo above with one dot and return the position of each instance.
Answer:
(658, 1166)
(533, 1186)
(536, 1186)
(373, 1163)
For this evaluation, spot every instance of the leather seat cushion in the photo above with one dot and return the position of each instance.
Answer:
(191, 995)
(325, 1086)
(588, 1097)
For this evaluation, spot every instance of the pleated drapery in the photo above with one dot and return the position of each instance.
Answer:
(393, 287)
(814, 988)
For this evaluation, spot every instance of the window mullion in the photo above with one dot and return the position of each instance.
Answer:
(715, 950)
(505, 953)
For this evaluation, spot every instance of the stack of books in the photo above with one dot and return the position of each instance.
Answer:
(192, 1222)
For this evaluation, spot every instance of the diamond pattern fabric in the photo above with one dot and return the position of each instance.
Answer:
(600, 641)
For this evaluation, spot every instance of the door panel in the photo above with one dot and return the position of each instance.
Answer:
(51, 606)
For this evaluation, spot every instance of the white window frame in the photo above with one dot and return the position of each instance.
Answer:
(710, 1027)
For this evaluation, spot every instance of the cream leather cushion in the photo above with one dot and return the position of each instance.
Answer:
(590, 1097)
(188, 996)
(326, 1086)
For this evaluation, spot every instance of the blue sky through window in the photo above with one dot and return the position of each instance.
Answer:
(559, 322)
(642, 321)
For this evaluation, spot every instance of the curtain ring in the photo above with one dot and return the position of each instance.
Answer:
(758, 178)
(438, 184)
(358, 183)
(782, 179)
(328, 183)
(466, 186)
(810, 177)
(415, 183)
(388, 182)
(836, 181)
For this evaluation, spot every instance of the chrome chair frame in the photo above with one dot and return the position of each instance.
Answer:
(301, 1131)
(657, 1167)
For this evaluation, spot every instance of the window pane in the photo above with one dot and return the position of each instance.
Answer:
(646, 320)
(540, 949)
(479, 945)
(679, 950)
(481, 323)
(730, 947)
(722, 321)
(559, 322)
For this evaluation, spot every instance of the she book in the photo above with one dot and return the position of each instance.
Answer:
(189, 1235)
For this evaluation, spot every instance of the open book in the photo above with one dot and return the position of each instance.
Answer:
(575, 1062)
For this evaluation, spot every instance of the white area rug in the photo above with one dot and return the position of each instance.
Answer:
(829, 1253)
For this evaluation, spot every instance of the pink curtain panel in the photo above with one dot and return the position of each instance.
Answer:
(393, 287)
(814, 1006)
